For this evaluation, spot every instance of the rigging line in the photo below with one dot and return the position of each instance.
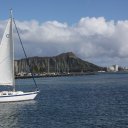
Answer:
(25, 55)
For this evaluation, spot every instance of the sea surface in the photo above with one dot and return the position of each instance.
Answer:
(91, 101)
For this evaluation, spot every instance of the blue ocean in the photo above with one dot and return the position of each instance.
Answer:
(90, 101)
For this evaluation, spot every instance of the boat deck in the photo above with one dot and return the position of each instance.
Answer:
(8, 93)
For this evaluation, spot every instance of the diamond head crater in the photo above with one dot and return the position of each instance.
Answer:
(65, 63)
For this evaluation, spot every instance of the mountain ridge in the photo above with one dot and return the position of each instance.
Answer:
(62, 63)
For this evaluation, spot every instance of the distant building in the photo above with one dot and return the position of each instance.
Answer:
(113, 68)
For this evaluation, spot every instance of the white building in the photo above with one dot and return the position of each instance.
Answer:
(113, 68)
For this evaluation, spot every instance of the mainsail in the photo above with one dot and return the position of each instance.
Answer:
(7, 56)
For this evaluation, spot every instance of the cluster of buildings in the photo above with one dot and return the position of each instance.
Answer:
(113, 68)
(116, 68)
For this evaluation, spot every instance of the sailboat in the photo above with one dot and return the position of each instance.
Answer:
(7, 77)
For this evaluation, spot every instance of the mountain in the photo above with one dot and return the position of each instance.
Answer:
(65, 62)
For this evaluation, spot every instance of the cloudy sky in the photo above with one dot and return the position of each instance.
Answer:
(95, 30)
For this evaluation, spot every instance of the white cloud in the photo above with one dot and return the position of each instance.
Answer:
(91, 26)
(92, 39)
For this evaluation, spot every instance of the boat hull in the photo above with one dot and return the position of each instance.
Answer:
(17, 96)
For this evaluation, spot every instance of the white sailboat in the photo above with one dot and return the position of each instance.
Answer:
(7, 67)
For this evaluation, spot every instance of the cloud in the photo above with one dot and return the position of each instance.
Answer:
(93, 39)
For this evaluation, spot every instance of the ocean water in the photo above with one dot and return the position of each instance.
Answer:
(92, 101)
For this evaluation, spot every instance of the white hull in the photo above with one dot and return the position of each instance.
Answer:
(17, 96)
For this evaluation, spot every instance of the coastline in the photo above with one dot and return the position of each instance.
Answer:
(55, 75)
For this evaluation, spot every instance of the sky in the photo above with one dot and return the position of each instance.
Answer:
(95, 30)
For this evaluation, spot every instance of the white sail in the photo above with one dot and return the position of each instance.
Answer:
(7, 57)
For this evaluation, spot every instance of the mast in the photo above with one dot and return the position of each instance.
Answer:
(11, 18)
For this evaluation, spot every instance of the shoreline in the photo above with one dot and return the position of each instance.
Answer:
(55, 75)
